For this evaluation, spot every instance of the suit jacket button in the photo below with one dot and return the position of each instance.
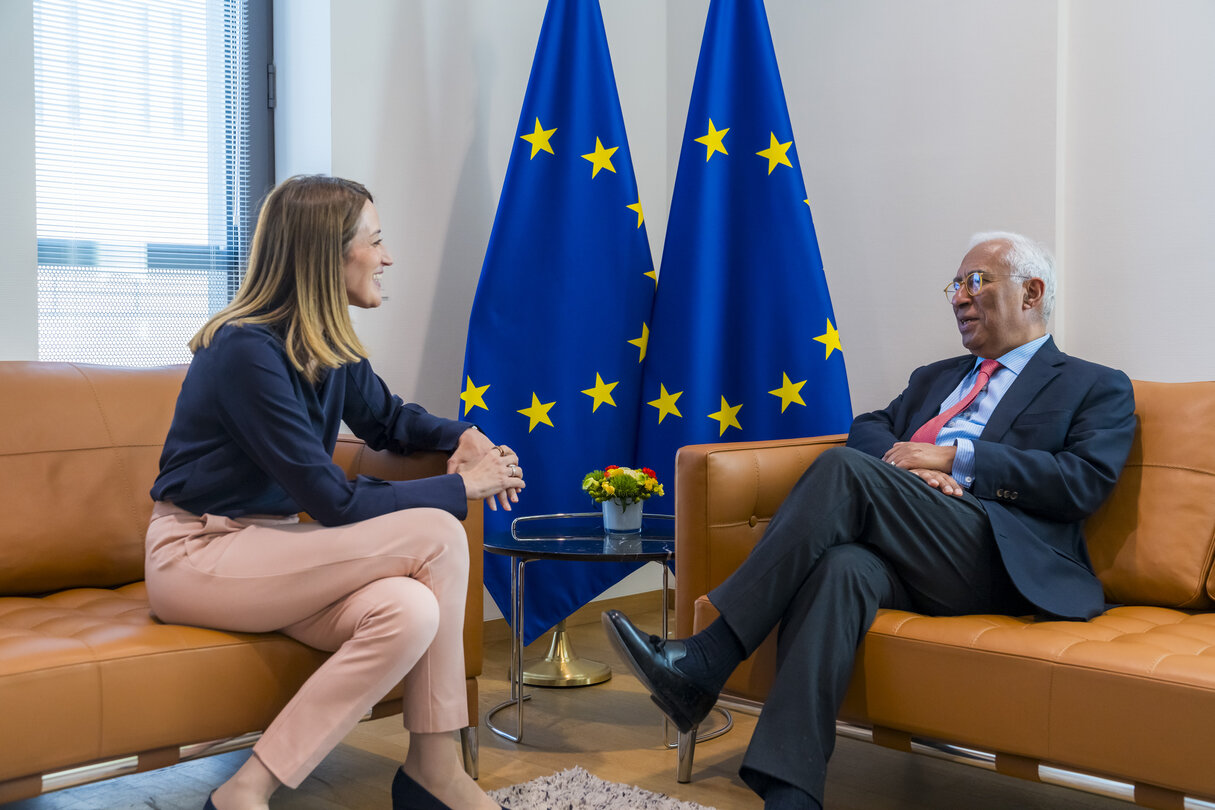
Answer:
(999, 493)
(1012, 496)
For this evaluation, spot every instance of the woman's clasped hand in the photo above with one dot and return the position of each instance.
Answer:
(491, 472)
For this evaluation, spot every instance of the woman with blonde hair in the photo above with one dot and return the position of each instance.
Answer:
(380, 579)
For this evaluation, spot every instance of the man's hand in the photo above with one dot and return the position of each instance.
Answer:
(939, 480)
(922, 456)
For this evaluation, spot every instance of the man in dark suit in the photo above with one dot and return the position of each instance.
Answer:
(965, 495)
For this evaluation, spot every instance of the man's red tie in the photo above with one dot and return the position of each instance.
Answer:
(928, 432)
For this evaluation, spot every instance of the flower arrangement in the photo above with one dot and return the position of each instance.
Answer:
(621, 484)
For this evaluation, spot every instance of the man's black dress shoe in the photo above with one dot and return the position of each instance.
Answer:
(655, 663)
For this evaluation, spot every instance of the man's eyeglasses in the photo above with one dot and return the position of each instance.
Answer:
(973, 283)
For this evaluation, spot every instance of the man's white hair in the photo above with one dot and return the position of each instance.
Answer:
(1025, 259)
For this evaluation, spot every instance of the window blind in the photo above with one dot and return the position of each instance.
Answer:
(143, 173)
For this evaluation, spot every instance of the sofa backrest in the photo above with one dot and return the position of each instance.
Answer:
(1153, 541)
(79, 449)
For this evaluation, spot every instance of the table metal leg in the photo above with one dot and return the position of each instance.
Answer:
(666, 575)
(727, 719)
(516, 658)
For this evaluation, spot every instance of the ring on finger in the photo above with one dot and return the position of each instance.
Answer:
(511, 469)
(501, 450)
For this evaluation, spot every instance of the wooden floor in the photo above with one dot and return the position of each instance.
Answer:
(611, 730)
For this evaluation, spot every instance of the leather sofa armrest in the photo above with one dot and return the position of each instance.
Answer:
(357, 459)
(725, 494)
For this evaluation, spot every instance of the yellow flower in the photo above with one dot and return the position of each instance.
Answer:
(608, 489)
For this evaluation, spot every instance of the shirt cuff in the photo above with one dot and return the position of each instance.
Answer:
(450, 432)
(964, 463)
(444, 492)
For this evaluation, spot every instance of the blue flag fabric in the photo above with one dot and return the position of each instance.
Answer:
(743, 341)
(552, 366)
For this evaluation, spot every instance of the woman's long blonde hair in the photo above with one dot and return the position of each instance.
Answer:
(294, 281)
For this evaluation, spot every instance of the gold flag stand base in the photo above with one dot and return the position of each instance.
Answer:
(562, 666)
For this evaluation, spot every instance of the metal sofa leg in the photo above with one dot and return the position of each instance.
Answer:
(468, 746)
(687, 748)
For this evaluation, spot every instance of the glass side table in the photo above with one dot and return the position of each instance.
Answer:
(577, 536)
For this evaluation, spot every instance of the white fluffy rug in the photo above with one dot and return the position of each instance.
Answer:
(576, 789)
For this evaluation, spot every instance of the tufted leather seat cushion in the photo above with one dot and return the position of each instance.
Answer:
(1085, 693)
(70, 660)
(1088, 694)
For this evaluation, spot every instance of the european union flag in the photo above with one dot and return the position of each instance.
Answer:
(743, 341)
(558, 330)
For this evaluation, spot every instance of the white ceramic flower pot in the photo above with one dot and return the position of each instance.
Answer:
(618, 518)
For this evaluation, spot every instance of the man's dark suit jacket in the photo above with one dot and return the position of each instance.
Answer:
(1048, 457)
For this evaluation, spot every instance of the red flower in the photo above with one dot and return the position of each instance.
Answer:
(609, 468)
(650, 473)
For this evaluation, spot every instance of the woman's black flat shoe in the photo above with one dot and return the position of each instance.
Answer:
(407, 794)
(210, 805)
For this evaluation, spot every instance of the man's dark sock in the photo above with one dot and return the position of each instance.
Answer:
(713, 654)
(784, 796)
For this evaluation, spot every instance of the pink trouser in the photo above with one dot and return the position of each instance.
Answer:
(387, 595)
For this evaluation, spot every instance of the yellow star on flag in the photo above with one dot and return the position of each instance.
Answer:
(601, 393)
(666, 403)
(537, 413)
(474, 396)
(712, 141)
(654, 275)
(727, 416)
(644, 340)
(601, 158)
(789, 392)
(539, 139)
(830, 339)
(776, 153)
(637, 207)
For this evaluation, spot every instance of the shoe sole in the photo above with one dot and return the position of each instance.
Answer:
(681, 721)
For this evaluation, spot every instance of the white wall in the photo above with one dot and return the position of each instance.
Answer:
(1139, 186)
(917, 125)
(19, 270)
(303, 114)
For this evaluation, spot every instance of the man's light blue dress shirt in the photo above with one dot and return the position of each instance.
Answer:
(966, 426)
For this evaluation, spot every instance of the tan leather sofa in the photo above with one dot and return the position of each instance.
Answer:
(1122, 705)
(90, 684)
